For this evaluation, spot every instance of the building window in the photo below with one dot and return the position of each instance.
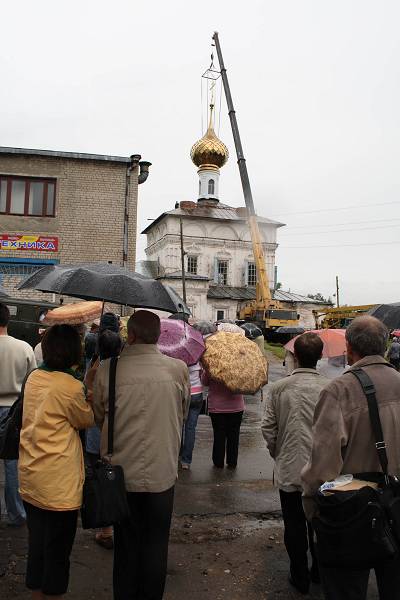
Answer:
(220, 315)
(251, 274)
(27, 196)
(192, 265)
(222, 272)
(211, 186)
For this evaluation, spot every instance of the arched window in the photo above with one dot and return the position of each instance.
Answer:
(211, 186)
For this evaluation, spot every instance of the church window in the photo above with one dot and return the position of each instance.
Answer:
(222, 272)
(192, 265)
(211, 186)
(220, 315)
(251, 274)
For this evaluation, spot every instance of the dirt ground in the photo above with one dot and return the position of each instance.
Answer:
(235, 556)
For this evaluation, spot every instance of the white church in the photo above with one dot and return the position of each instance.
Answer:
(220, 273)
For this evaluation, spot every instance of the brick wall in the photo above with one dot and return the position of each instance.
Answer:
(89, 221)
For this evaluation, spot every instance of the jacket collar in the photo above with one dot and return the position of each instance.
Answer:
(369, 360)
(305, 370)
(137, 349)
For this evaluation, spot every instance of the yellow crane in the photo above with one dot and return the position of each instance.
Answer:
(265, 311)
(339, 317)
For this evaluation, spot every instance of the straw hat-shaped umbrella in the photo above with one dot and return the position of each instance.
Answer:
(235, 361)
(74, 314)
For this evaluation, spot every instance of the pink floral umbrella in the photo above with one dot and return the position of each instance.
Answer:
(179, 340)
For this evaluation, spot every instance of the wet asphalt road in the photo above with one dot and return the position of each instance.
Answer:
(248, 489)
(206, 491)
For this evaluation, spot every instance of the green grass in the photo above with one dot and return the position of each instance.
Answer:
(276, 349)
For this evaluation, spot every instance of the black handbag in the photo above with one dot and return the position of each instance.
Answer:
(104, 495)
(360, 529)
(10, 426)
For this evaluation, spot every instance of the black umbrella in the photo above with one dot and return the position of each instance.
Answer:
(205, 327)
(180, 316)
(251, 330)
(389, 314)
(296, 330)
(102, 281)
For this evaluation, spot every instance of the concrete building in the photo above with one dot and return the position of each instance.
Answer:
(219, 266)
(65, 207)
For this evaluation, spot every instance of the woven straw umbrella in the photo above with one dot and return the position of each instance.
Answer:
(235, 361)
(74, 314)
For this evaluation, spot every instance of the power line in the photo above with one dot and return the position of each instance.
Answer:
(338, 224)
(342, 230)
(344, 245)
(309, 212)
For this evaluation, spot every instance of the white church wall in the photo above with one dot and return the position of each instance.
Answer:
(209, 240)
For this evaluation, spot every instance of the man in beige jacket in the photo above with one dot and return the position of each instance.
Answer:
(343, 443)
(286, 427)
(152, 400)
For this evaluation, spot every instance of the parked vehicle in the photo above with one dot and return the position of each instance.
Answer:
(25, 318)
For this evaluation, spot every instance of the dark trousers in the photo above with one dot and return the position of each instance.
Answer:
(341, 584)
(141, 547)
(299, 536)
(51, 535)
(226, 428)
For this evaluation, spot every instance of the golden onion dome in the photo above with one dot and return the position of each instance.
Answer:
(209, 151)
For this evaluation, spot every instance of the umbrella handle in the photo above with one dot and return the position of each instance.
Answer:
(102, 309)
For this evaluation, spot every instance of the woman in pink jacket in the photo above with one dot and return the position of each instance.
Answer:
(226, 412)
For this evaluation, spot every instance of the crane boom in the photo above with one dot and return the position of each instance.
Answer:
(263, 294)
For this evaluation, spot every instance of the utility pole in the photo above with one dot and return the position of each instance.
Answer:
(182, 262)
(337, 291)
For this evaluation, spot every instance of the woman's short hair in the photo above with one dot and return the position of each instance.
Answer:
(108, 344)
(61, 347)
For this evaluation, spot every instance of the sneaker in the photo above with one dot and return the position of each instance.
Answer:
(185, 467)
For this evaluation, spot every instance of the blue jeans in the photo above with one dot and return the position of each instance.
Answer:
(15, 508)
(189, 429)
(93, 436)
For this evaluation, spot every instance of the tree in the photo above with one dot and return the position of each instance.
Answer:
(319, 297)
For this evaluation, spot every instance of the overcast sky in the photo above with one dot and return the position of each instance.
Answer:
(316, 87)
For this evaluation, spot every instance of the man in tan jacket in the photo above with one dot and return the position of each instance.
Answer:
(343, 443)
(286, 427)
(152, 399)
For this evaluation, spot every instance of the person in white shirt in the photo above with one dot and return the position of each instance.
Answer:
(16, 360)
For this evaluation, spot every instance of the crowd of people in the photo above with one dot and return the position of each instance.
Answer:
(315, 429)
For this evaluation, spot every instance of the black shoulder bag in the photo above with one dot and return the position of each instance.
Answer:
(360, 529)
(10, 426)
(104, 494)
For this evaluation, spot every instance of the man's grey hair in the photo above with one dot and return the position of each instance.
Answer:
(145, 326)
(367, 336)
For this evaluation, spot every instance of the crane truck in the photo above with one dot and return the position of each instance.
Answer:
(269, 314)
